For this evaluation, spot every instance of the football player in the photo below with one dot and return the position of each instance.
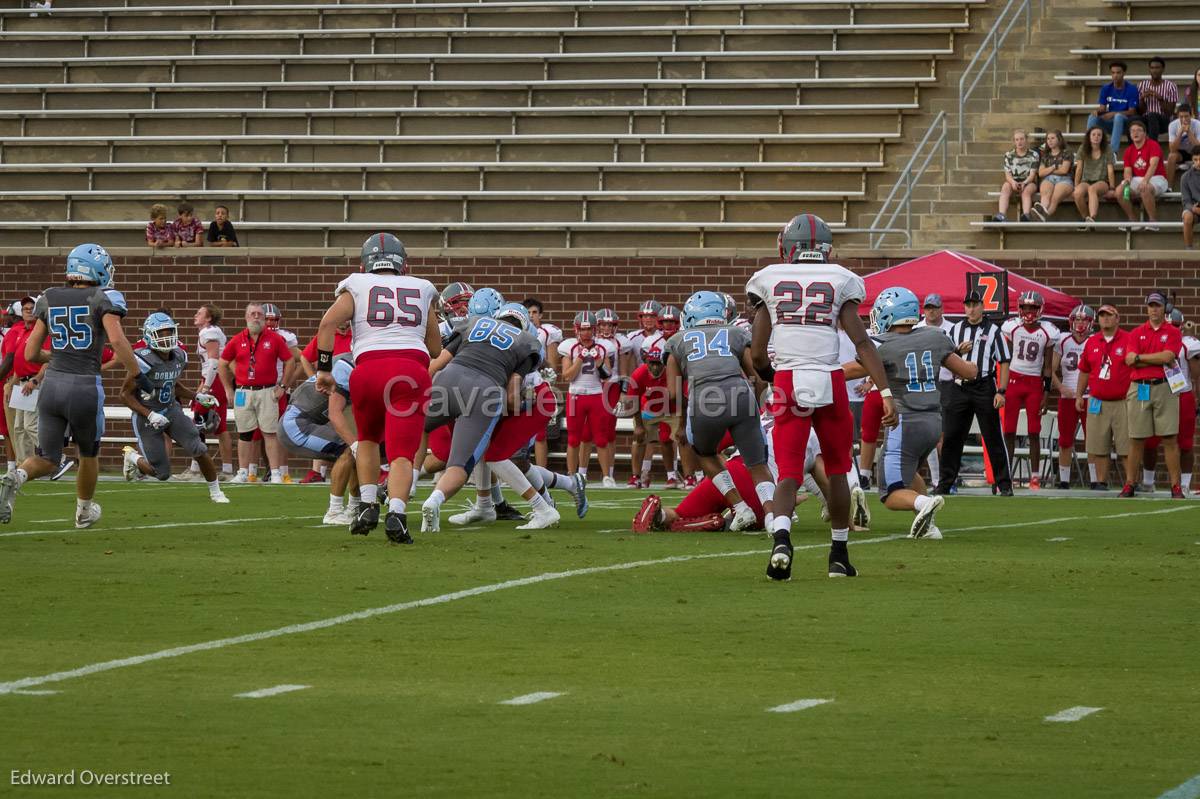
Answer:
(157, 413)
(655, 411)
(550, 337)
(714, 358)
(492, 353)
(620, 366)
(911, 357)
(210, 340)
(584, 365)
(669, 319)
(395, 334)
(79, 318)
(1032, 341)
(799, 305)
(341, 344)
(1065, 377)
(648, 321)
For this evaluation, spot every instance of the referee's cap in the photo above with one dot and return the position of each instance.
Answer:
(973, 296)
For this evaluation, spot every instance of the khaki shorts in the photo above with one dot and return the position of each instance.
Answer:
(1108, 429)
(1158, 416)
(672, 423)
(260, 412)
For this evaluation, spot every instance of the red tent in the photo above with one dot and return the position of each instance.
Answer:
(944, 273)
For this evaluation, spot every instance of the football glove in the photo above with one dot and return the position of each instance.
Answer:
(548, 374)
(206, 400)
(157, 420)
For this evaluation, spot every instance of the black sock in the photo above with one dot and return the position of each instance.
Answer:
(783, 537)
(837, 549)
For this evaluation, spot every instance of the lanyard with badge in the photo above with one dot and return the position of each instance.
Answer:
(239, 396)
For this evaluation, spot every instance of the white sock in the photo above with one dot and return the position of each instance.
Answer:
(226, 468)
(1185, 481)
(582, 472)
(397, 505)
(534, 476)
(1148, 477)
(369, 494)
(22, 476)
(611, 471)
(935, 467)
(538, 504)
(765, 492)
(497, 494)
(671, 475)
(783, 524)
(82, 504)
(1092, 472)
(323, 471)
(354, 504)
(435, 499)
(840, 535)
(646, 470)
(336, 503)
(276, 475)
(1064, 474)
(741, 506)
(810, 485)
(254, 469)
(283, 470)
(484, 502)
(12, 465)
(560, 481)
(769, 521)
(723, 482)
(214, 488)
(416, 476)
(195, 467)
(920, 502)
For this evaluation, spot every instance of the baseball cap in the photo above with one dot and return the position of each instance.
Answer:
(1156, 298)
(932, 301)
(1108, 309)
(973, 296)
(28, 298)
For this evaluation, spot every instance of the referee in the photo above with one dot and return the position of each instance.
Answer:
(978, 340)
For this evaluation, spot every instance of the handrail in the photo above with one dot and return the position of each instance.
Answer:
(909, 178)
(991, 45)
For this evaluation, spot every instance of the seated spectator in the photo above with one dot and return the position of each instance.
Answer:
(158, 233)
(1145, 177)
(1020, 176)
(1184, 135)
(1055, 171)
(1192, 97)
(1189, 191)
(1095, 174)
(1117, 104)
(1157, 99)
(187, 228)
(220, 231)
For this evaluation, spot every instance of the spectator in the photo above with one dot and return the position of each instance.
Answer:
(187, 228)
(158, 233)
(1152, 407)
(1020, 176)
(1189, 194)
(1145, 177)
(1183, 134)
(1157, 99)
(1193, 92)
(25, 377)
(1055, 170)
(1095, 174)
(1104, 375)
(1118, 102)
(220, 230)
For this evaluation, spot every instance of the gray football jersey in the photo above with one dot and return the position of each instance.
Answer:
(164, 371)
(314, 405)
(74, 319)
(709, 353)
(912, 361)
(497, 349)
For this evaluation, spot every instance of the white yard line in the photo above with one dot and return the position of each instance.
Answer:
(36, 693)
(799, 704)
(531, 699)
(1058, 539)
(273, 691)
(441, 599)
(1074, 713)
(164, 526)
(1188, 790)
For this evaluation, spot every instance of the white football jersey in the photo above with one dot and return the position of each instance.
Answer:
(636, 339)
(549, 335)
(390, 311)
(1069, 352)
(622, 346)
(1191, 349)
(1029, 346)
(587, 381)
(655, 340)
(804, 301)
(846, 354)
(944, 374)
(207, 334)
(290, 339)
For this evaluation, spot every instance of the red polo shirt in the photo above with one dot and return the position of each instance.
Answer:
(341, 343)
(14, 342)
(256, 360)
(1104, 363)
(1146, 340)
(651, 391)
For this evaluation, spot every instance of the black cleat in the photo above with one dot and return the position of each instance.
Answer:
(840, 566)
(1006, 491)
(366, 520)
(779, 567)
(396, 527)
(1063, 485)
(507, 513)
(1098, 486)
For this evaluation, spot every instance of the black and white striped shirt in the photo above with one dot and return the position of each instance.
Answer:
(988, 346)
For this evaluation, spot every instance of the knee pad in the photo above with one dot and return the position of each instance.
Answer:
(247, 437)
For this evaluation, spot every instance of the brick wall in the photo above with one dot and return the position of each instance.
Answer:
(302, 284)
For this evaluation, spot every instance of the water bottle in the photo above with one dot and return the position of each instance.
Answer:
(1126, 192)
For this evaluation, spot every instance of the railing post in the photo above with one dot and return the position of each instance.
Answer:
(1028, 22)
(908, 180)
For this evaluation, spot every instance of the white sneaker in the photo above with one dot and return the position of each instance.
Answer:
(933, 532)
(541, 519)
(431, 518)
(87, 516)
(924, 520)
(219, 498)
(474, 515)
(129, 465)
(337, 518)
(608, 482)
(860, 514)
(242, 476)
(188, 476)
(743, 520)
(824, 508)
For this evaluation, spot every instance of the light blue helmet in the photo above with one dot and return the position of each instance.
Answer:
(160, 332)
(895, 306)
(515, 314)
(704, 308)
(485, 302)
(91, 262)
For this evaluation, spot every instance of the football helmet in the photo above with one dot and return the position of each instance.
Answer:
(160, 332)
(515, 314)
(585, 322)
(895, 306)
(455, 299)
(272, 314)
(383, 251)
(1082, 317)
(650, 308)
(704, 308)
(92, 263)
(606, 322)
(805, 238)
(1175, 317)
(731, 307)
(669, 318)
(485, 302)
(655, 359)
(1029, 306)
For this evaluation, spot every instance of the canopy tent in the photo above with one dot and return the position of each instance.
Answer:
(945, 272)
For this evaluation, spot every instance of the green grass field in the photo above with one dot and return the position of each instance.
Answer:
(942, 660)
